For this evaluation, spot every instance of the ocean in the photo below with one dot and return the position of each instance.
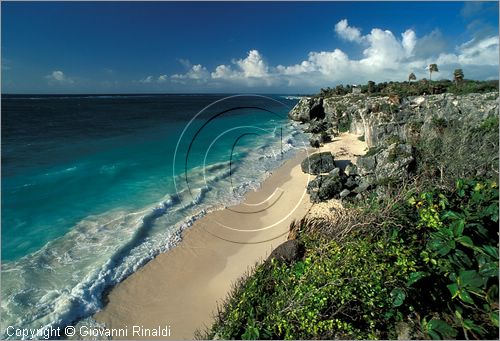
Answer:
(93, 187)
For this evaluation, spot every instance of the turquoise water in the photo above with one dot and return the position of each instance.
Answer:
(95, 186)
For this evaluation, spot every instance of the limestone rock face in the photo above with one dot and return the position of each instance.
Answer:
(317, 126)
(389, 125)
(382, 119)
(392, 163)
(318, 163)
(307, 109)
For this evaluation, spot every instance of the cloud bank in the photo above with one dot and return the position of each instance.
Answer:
(385, 56)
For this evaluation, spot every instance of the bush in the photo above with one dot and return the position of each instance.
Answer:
(338, 291)
(456, 284)
(458, 150)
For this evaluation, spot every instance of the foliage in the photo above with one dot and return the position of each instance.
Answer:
(337, 291)
(404, 89)
(373, 151)
(393, 139)
(458, 269)
(458, 75)
(458, 150)
(429, 261)
(432, 68)
(345, 124)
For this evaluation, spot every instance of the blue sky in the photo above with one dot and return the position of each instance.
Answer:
(285, 47)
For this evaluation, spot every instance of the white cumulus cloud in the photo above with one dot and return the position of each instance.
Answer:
(58, 77)
(347, 32)
(196, 72)
(148, 79)
(385, 56)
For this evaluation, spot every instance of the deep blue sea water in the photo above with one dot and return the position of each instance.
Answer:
(95, 186)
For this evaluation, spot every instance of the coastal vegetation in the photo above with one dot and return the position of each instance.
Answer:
(414, 87)
(414, 253)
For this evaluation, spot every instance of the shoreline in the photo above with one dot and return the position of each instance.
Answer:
(183, 287)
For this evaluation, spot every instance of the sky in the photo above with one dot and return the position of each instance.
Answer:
(250, 47)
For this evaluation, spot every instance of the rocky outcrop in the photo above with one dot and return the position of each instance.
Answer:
(386, 164)
(389, 124)
(318, 163)
(307, 109)
(324, 187)
(383, 119)
(334, 185)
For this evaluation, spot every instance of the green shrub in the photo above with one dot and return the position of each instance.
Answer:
(393, 139)
(338, 291)
(458, 269)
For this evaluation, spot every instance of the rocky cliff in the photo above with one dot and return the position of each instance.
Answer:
(382, 118)
(390, 126)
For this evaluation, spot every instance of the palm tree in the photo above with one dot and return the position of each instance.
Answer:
(371, 87)
(412, 77)
(432, 68)
(458, 75)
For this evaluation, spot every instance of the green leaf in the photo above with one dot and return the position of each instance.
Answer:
(398, 297)
(458, 227)
(470, 325)
(489, 269)
(433, 334)
(494, 318)
(491, 250)
(299, 268)
(251, 333)
(471, 278)
(450, 215)
(466, 241)
(465, 297)
(415, 277)
(453, 289)
(443, 247)
(461, 257)
(443, 328)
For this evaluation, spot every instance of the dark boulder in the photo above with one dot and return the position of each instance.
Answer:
(289, 252)
(352, 182)
(318, 163)
(325, 187)
(315, 142)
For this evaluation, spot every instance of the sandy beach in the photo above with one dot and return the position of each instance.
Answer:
(181, 288)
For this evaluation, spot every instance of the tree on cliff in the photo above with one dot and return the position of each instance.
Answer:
(432, 68)
(412, 77)
(458, 76)
(371, 87)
